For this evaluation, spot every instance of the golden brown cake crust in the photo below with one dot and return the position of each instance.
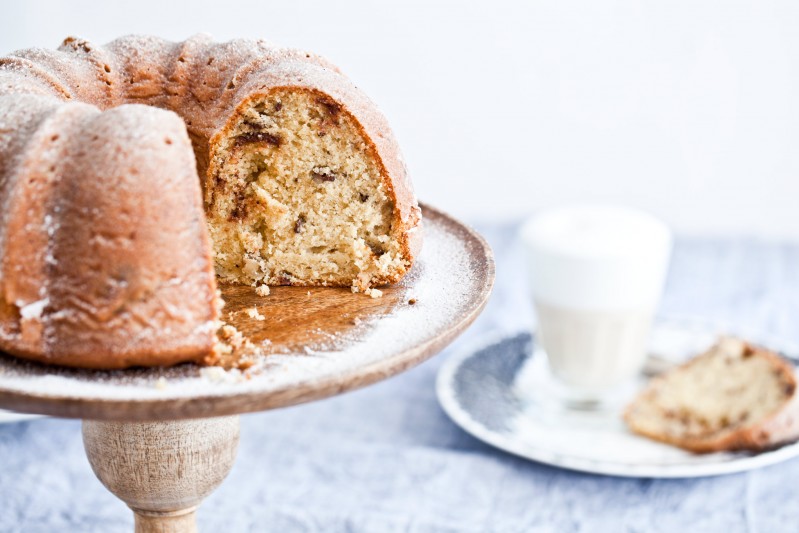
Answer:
(67, 137)
(779, 427)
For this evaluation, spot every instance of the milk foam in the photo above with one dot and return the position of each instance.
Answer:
(597, 257)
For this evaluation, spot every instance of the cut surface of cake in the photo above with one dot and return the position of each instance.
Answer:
(735, 396)
(294, 196)
(135, 173)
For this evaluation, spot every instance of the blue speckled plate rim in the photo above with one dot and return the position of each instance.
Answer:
(717, 464)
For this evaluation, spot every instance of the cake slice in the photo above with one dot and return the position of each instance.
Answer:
(735, 396)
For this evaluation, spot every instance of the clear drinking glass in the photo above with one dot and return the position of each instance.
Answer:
(597, 275)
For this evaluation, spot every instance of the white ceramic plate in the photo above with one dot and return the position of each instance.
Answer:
(488, 391)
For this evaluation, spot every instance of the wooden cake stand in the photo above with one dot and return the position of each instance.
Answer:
(162, 439)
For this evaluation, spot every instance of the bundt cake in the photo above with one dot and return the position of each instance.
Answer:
(133, 174)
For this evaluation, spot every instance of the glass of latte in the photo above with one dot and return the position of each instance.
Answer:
(596, 275)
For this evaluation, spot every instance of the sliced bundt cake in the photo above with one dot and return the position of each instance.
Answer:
(130, 172)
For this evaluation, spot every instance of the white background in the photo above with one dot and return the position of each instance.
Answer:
(689, 109)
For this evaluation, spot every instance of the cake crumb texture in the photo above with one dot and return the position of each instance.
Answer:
(735, 396)
(298, 198)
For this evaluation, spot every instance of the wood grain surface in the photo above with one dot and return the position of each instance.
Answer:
(162, 470)
(296, 317)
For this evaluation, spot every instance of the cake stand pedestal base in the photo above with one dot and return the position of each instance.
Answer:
(162, 470)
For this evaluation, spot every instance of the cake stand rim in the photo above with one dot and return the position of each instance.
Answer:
(210, 405)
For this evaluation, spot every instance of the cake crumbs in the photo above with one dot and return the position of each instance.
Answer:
(219, 302)
(253, 313)
(262, 290)
(368, 291)
(231, 336)
(232, 347)
(217, 374)
(412, 301)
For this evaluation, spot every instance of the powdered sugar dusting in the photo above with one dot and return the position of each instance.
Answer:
(445, 285)
(33, 310)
